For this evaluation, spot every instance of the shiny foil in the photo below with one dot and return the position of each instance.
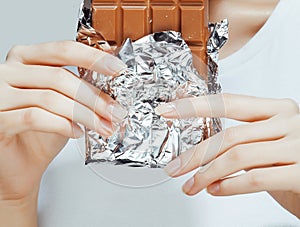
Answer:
(160, 70)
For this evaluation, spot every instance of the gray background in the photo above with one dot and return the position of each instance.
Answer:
(35, 21)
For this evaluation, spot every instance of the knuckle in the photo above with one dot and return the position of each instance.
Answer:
(65, 45)
(30, 115)
(255, 179)
(59, 74)
(203, 178)
(289, 105)
(230, 135)
(235, 154)
(64, 48)
(14, 51)
(47, 97)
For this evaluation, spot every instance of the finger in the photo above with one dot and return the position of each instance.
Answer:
(36, 119)
(206, 151)
(67, 83)
(61, 105)
(266, 179)
(237, 107)
(239, 158)
(67, 53)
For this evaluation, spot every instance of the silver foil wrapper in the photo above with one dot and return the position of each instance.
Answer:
(160, 70)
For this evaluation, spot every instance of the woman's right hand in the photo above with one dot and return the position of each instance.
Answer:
(40, 106)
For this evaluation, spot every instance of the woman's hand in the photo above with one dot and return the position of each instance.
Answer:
(267, 148)
(40, 106)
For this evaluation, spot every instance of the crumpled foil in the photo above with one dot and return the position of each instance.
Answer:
(218, 38)
(160, 70)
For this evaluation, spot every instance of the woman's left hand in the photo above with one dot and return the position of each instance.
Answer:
(267, 148)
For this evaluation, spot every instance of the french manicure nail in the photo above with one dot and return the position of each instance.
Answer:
(188, 185)
(105, 128)
(114, 65)
(78, 132)
(173, 167)
(214, 188)
(165, 109)
(118, 113)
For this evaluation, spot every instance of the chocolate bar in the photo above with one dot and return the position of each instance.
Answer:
(161, 71)
(117, 20)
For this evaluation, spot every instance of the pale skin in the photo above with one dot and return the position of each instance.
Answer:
(41, 105)
(266, 149)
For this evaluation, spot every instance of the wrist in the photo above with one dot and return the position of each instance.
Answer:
(21, 212)
(289, 200)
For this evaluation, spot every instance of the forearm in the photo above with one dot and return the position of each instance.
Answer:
(289, 201)
(18, 213)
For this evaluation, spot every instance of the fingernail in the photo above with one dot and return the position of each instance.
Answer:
(188, 185)
(78, 132)
(214, 188)
(165, 108)
(118, 113)
(173, 167)
(114, 65)
(105, 128)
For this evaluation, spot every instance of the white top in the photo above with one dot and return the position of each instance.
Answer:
(72, 195)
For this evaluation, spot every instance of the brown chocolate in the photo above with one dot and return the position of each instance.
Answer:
(117, 20)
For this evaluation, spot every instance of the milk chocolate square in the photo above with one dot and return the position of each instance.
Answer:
(117, 20)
